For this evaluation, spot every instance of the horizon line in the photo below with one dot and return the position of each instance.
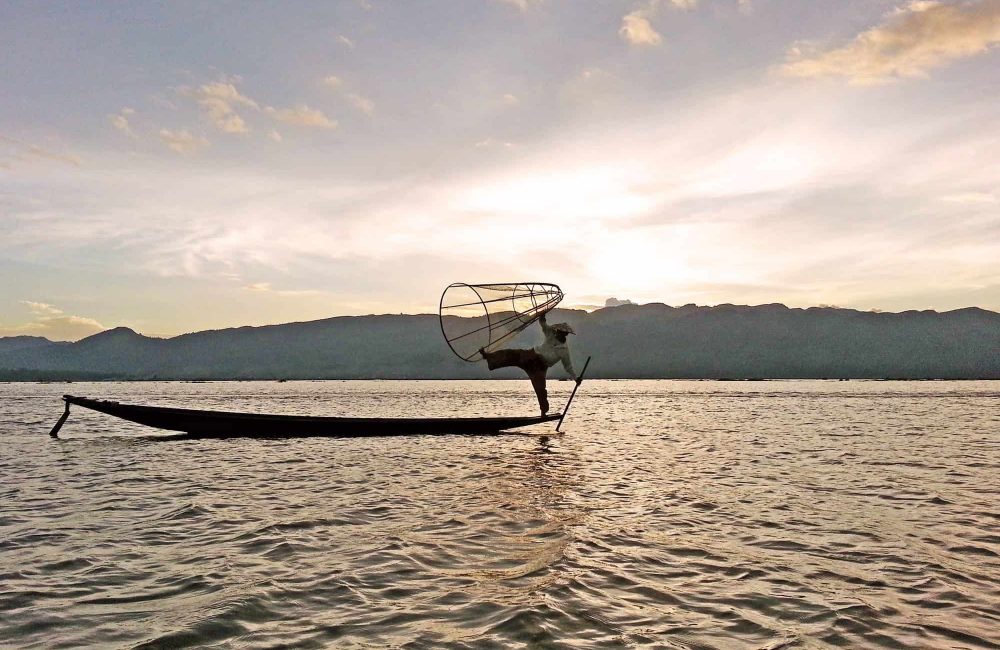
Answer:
(574, 308)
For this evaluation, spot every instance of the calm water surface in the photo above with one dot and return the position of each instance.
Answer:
(669, 514)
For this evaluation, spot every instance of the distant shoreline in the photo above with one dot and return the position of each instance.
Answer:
(654, 341)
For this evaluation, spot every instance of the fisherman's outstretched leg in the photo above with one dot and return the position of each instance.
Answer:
(504, 358)
(537, 378)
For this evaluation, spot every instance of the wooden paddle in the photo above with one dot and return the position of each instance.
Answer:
(579, 380)
(62, 420)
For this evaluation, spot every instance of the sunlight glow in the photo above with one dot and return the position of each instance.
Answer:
(760, 167)
(598, 192)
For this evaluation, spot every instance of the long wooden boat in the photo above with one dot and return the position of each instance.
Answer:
(226, 424)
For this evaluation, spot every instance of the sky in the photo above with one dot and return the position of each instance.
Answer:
(181, 166)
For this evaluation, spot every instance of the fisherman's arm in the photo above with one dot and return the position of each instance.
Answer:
(545, 326)
(567, 364)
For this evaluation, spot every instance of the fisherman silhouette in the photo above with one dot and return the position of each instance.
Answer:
(537, 361)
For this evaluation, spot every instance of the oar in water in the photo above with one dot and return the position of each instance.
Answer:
(62, 420)
(579, 380)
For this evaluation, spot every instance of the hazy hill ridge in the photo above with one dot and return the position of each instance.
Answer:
(629, 341)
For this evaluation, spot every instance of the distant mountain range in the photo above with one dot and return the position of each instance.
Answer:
(626, 341)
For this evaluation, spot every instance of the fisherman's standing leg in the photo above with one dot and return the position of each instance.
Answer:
(537, 378)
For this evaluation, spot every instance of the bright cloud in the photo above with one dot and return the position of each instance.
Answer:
(58, 328)
(53, 324)
(183, 141)
(913, 40)
(41, 308)
(637, 30)
(302, 116)
(267, 288)
(219, 101)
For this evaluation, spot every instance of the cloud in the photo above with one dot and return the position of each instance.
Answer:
(637, 31)
(333, 81)
(745, 7)
(346, 42)
(274, 135)
(183, 141)
(510, 100)
(219, 101)
(53, 324)
(687, 4)
(302, 116)
(648, 205)
(57, 328)
(910, 42)
(120, 122)
(265, 287)
(362, 103)
(13, 152)
(224, 92)
(41, 308)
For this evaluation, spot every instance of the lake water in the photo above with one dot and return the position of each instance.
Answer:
(677, 514)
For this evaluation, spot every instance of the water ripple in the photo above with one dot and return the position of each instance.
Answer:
(672, 514)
